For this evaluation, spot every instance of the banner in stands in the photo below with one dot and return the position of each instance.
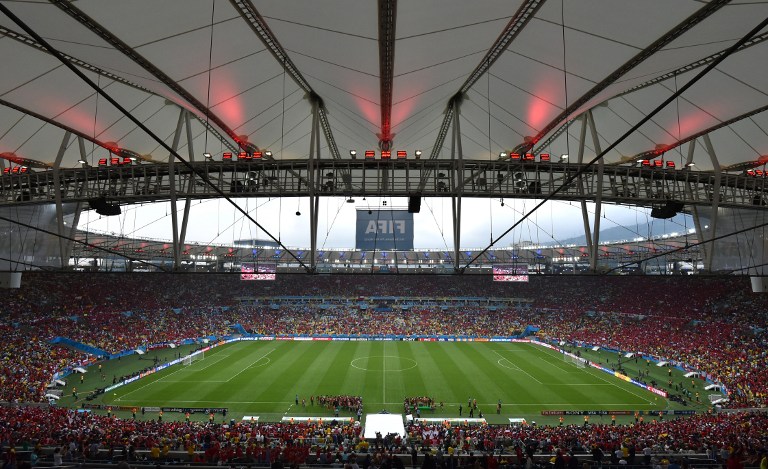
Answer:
(196, 410)
(652, 413)
(384, 230)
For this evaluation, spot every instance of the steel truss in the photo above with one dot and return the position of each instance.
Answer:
(631, 185)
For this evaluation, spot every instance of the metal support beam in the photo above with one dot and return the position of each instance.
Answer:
(691, 150)
(251, 15)
(188, 202)
(516, 24)
(314, 153)
(715, 202)
(457, 156)
(172, 189)
(189, 166)
(387, 25)
(57, 197)
(598, 197)
(79, 16)
(28, 41)
(650, 154)
(697, 17)
(580, 184)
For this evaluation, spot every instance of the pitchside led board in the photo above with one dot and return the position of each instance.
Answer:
(510, 273)
(250, 271)
(384, 230)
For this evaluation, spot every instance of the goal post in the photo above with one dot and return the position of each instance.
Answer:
(576, 361)
(192, 358)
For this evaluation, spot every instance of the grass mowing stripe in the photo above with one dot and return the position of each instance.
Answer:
(413, 379)
(463, 372)
(154, 380)
(266, 355)
(624, 387)
(317, 369)
(449, 372)
(487, 371)
(520, 387)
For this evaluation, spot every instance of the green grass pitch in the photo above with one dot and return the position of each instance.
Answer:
(263, 378)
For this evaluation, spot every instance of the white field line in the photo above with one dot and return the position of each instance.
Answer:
(596, 373)
(164, 378)
(384, 372)
(211, 364)
(570, 369)
(521, 370)
(151, 382)
(255, 362)
(452, 404)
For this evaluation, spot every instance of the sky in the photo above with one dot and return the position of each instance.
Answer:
(217, 222)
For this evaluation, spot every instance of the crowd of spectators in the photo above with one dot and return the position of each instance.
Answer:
(350, 403)
(79, 436)
(717, 326)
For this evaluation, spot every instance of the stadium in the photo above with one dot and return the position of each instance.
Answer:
(383, 234)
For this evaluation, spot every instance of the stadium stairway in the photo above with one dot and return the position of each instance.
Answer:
(89, 349)
(239, 329)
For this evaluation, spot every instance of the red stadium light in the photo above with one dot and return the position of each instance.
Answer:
(114, 161)
(646, 162)
(370, 154)
(750, 172)
(658, 163)
(758, 172)
(514, 156)
(15, 170)
(257, 155)
(242, 156)
(227, 156)
(402, 154)
(7, 171)
(529, 157)
(24, 169)
(127, 160)
(544, 157)
(385, 154)
(671, 164)
(102, 161)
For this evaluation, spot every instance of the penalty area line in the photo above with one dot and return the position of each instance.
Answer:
(247, 367)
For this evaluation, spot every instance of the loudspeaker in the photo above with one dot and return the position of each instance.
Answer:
(669, 210)
(102, 207)
(414, 204)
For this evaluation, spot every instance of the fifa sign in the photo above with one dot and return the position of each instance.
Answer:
(384, 230)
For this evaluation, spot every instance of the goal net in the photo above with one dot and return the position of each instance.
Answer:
(576, 361)
(191, 358)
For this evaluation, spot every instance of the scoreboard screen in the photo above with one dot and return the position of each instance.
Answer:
(250, 271)
(510, 273)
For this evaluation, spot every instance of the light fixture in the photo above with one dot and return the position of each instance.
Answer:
(207, 156)
(82, 162)
(268, 154)
(691, 164)
(417, 153)
(350, 200)
(132, 158)
(298, 214)
(563, 157)
(502, 155)
(353, 154)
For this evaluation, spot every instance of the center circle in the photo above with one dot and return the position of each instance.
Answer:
(382, 364)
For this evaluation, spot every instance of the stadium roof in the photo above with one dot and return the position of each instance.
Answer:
(547, 62)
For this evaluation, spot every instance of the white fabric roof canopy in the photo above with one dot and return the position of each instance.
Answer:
(334, 45)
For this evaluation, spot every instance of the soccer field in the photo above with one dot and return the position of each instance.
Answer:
(263, 379)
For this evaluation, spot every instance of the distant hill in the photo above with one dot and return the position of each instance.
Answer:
(657, 228)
